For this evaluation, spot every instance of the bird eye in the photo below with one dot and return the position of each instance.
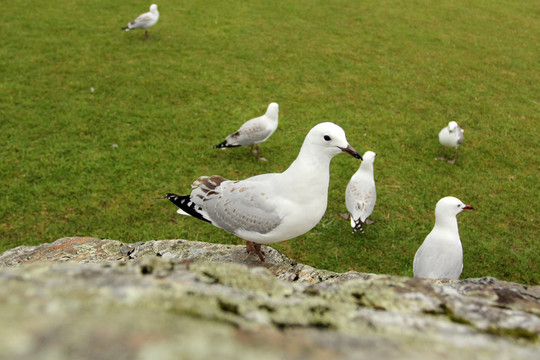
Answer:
(458, 205)
(327, 138)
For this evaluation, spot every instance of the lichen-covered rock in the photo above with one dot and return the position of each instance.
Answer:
(93, 298)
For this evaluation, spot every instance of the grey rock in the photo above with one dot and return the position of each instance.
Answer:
(89, 298)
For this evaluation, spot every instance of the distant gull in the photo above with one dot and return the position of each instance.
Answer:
(360, 196)
(144, 21)
(451, 136)
(254, 131)
(274, 207)
(441, 254)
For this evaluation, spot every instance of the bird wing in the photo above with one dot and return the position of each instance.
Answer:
(142, 20)
(460, 135)
(251, 132)
(237, 205)
(360, 198)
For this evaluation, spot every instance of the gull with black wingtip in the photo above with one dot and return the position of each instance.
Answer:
(273, 207)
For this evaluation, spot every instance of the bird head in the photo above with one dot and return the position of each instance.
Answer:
(452, 126)
(450, 206)
(330, 138)
(273, 111)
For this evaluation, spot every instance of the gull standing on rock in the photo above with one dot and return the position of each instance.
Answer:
(254, 131)
(274, 207)
(441, 254)
(360, 196)
(451, 136)
(144, 21)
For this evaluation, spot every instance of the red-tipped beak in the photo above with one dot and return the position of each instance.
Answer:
(468, 207)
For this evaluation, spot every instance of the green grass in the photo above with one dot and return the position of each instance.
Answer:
(391, 73)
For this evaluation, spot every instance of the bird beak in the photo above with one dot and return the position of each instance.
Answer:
(468, 207)
(350, 150)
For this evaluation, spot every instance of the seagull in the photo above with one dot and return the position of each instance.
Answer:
(441, 254)
(144, 21)
(269, 208)
(254, 131)
(360, 196)
(451, 136)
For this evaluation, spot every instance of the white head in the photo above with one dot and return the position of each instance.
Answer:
(329, 138)
(273, 111)
(368, 157)
(452, 126)
(153, 8)
(450, 206)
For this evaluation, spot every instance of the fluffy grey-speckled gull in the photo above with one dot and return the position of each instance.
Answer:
(254, 131)
(451, 136)
(144, 21)
(274, 207)
(441, 254)
(360, 195)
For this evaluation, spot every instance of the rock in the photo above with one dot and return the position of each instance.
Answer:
(89, 298)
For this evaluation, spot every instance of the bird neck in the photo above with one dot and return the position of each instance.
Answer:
(446, 222)
(272, 115)
(310, 167)
(366, 167)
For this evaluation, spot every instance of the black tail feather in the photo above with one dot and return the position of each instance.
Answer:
(184, 202)
(359, 225)
(224, 145)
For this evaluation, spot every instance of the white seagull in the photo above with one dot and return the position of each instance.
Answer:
(144, 21)
(274, 207)
(451, 136)
(360, 196)
(254, 131)
(441, 254)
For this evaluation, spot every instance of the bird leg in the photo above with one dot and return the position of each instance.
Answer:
(255, 150)
(453, 161)
(256, 248)
(146, 36)
(345, 216)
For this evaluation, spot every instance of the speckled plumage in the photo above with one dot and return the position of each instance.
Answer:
(144, 21)
(273, 207)
(361, 195)
(254, 131)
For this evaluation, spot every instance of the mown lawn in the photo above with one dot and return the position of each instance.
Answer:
(391, 73)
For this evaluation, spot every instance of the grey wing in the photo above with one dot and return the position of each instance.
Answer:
(460, 135)
(242, 206)
(141, 21)
(252, 132)
(360, 199)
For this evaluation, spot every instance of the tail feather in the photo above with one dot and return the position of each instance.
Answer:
(224, 145)
(125, 28)
(186, 205)
(359, 225)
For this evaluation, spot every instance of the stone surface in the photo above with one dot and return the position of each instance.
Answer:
(89, 298)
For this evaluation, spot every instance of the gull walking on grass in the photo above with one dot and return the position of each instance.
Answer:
(441, 254)
(451, 136)
(274, 207)
(144, 21)
(254, 131)
(360, 196)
